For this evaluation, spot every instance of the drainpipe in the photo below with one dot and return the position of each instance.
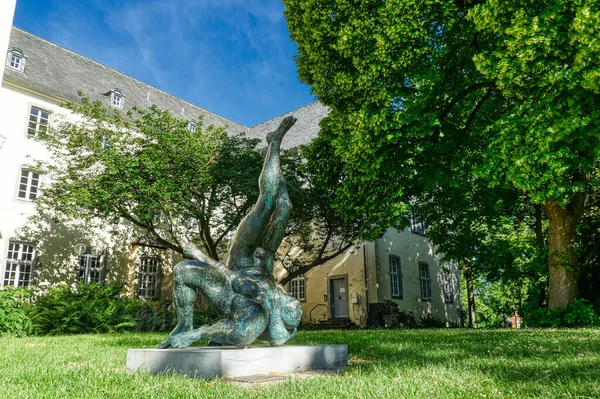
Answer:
(366, 284)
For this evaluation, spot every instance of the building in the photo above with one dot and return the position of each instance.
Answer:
(38, 76)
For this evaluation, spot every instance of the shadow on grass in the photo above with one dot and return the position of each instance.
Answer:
(507, 356)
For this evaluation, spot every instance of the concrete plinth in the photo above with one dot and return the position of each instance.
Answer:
(227, 361)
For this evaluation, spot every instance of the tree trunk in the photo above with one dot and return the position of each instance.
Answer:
(470, 293)
(539, 240)
(562, 260)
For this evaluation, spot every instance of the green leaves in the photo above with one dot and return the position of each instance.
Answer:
(432, 101)
(148, 169)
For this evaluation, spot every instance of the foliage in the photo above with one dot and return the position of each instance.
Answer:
(431, 99)
(154, 316)
(160, 316)
(87, 308)
(431, 321)
(396, 318)
(588, 248)
(317, 228)
(148, 169)
(14, 318)
(579, 313)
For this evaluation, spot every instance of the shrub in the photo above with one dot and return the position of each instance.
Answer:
(160, 316)
(154, 316)
(88, 308)
(579, 313)
(396, 318)
(430, 321)
(14, 318)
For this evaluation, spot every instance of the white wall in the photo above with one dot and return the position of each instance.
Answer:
(7, 11)
(17, 150)
(411, 249)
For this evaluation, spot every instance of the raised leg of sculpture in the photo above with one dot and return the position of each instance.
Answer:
(250, 232)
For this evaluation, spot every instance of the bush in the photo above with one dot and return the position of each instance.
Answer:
(396, 318)
(160, 316)
(88, 308)
(430, 321)
(154, 316)
(14, 318)
(579, 313)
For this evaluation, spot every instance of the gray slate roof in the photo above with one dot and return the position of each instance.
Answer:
(54, 70)
(303, 131)
(59, 72)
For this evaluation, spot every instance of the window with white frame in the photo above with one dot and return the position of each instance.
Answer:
(447, 286)
(418, 226)
(395, 277)
(297, 286)
(38, 121)
(29, 184)
(18, 270)
(149, 272)
(15, 59)
(192, 125)
(425, 281)
(91, 267)
(117, 99)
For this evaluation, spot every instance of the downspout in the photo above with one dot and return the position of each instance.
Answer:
(366, 284)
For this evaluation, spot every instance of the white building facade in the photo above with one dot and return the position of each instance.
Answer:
(39, 75)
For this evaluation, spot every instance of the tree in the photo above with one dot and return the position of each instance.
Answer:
(320, 231)
(179, 185)
(415, 88)
(148, 169)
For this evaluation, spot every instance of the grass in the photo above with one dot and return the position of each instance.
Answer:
(384, 364)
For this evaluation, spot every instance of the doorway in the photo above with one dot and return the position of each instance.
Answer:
(338, 290)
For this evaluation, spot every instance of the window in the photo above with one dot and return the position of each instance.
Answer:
(15, 59)
(417, 226)
(297, 286)
(149, 277)
(38, 122)
(105, 143)
(448, 294)
(395, 277)
(425, 281)
(117, 99)
(91, 267)
(29, 184)
(18, 270)
(192, 125)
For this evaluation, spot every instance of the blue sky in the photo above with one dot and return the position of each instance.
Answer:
(231, 57)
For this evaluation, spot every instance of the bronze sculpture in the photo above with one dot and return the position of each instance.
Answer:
(244, 293)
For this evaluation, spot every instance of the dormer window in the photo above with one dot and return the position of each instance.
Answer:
(117, 99)
(15, 59)
(192, 125)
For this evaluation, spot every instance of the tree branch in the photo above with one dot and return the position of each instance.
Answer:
(463, 94)
(315, 263)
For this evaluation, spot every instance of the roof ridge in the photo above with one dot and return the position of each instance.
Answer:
(288, 112)
(127, 76)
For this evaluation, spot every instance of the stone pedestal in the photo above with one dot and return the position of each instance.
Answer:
(227, 361)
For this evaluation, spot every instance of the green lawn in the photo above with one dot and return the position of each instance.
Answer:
(384, 364)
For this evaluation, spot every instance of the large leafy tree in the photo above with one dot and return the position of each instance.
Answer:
(318, 232)
(503, 94)
(149, 169)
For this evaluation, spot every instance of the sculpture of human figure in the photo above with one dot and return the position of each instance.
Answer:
(244, 293)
